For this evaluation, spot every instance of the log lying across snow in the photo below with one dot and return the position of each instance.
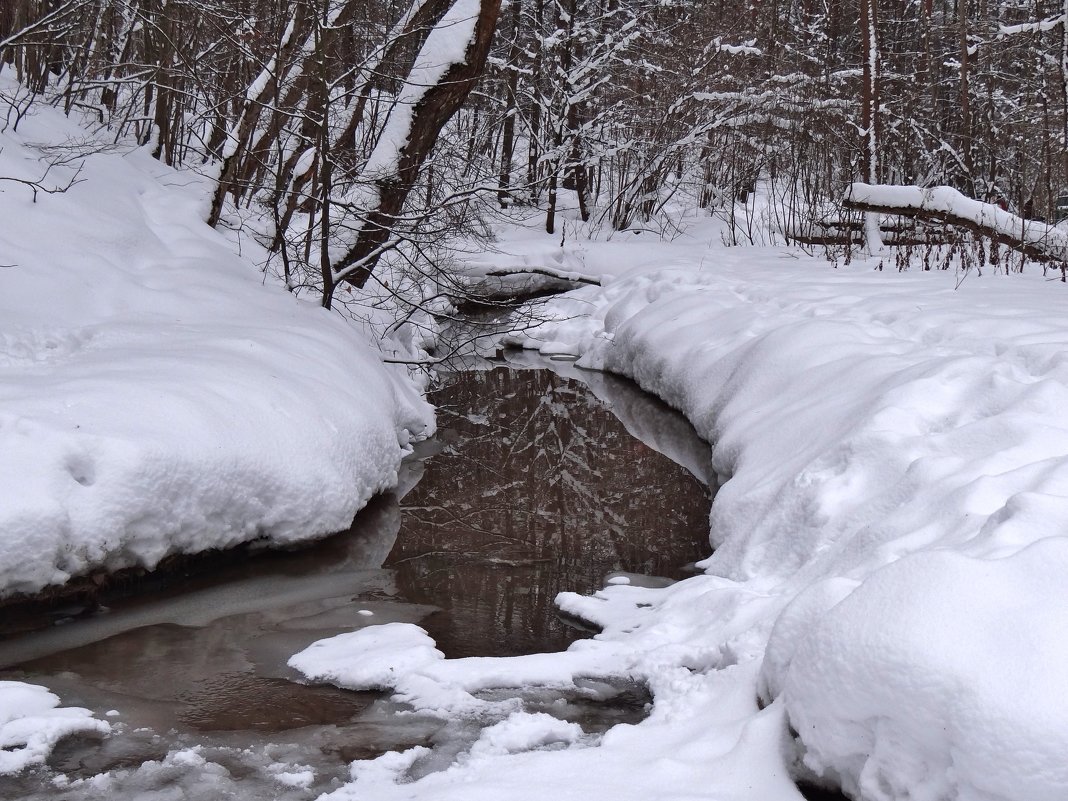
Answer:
(559, 275)
(943, 204)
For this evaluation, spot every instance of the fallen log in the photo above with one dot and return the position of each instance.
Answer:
(942, 204)
(891, 238)
(846, 230)
(559, 275)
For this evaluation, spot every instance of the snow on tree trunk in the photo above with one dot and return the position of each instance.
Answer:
(870, 116)
(446, 69)
(256, 98)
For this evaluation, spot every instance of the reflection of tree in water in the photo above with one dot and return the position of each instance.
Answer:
(539, 489)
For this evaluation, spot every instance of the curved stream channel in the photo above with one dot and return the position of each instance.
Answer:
(540, 480)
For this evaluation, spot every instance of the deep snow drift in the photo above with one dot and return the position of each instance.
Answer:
(888, 578)
(154, 396)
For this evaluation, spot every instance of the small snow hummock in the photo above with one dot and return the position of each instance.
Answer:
(296, 776)
(32, 722)
(524, 731)
(403, 658)
(940, 676)
(372, 658)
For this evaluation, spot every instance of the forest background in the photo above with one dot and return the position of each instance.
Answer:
(342, 134)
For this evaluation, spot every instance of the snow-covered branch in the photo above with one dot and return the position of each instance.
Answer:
(1032, 27)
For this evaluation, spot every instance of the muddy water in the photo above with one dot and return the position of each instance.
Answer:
(538, 482)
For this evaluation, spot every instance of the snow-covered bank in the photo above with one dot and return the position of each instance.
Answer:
(154, 397)
(888, 578)
(898, 480)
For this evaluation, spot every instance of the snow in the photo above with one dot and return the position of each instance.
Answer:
(301, 779)
(524, 731)
(893, 507)
(403, 657)
(373, 658)
(155, 397)
(889, 542)
(955, 693)
(711, 746)
(32, 722)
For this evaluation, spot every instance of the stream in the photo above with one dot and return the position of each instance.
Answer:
(542, 478)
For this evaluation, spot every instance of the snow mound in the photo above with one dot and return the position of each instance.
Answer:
(402, 657)
(941, 676)
(155, 397)
(32, 722)
(524, 731)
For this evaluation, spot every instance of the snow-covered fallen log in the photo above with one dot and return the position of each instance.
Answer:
(844, 233)
(943, 204)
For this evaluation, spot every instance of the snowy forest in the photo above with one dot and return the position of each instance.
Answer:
(295, 108)
(466, 400)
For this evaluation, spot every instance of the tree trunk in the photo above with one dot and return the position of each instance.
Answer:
(434, 108)
(869, 100)
(504, 194)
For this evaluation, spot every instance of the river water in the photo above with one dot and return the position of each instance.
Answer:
(540, 480)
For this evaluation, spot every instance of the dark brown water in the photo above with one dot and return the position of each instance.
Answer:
(536, 487)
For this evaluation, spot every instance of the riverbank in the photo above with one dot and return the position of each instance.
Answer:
(155, 397)
(882, 608)
(519, 498)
